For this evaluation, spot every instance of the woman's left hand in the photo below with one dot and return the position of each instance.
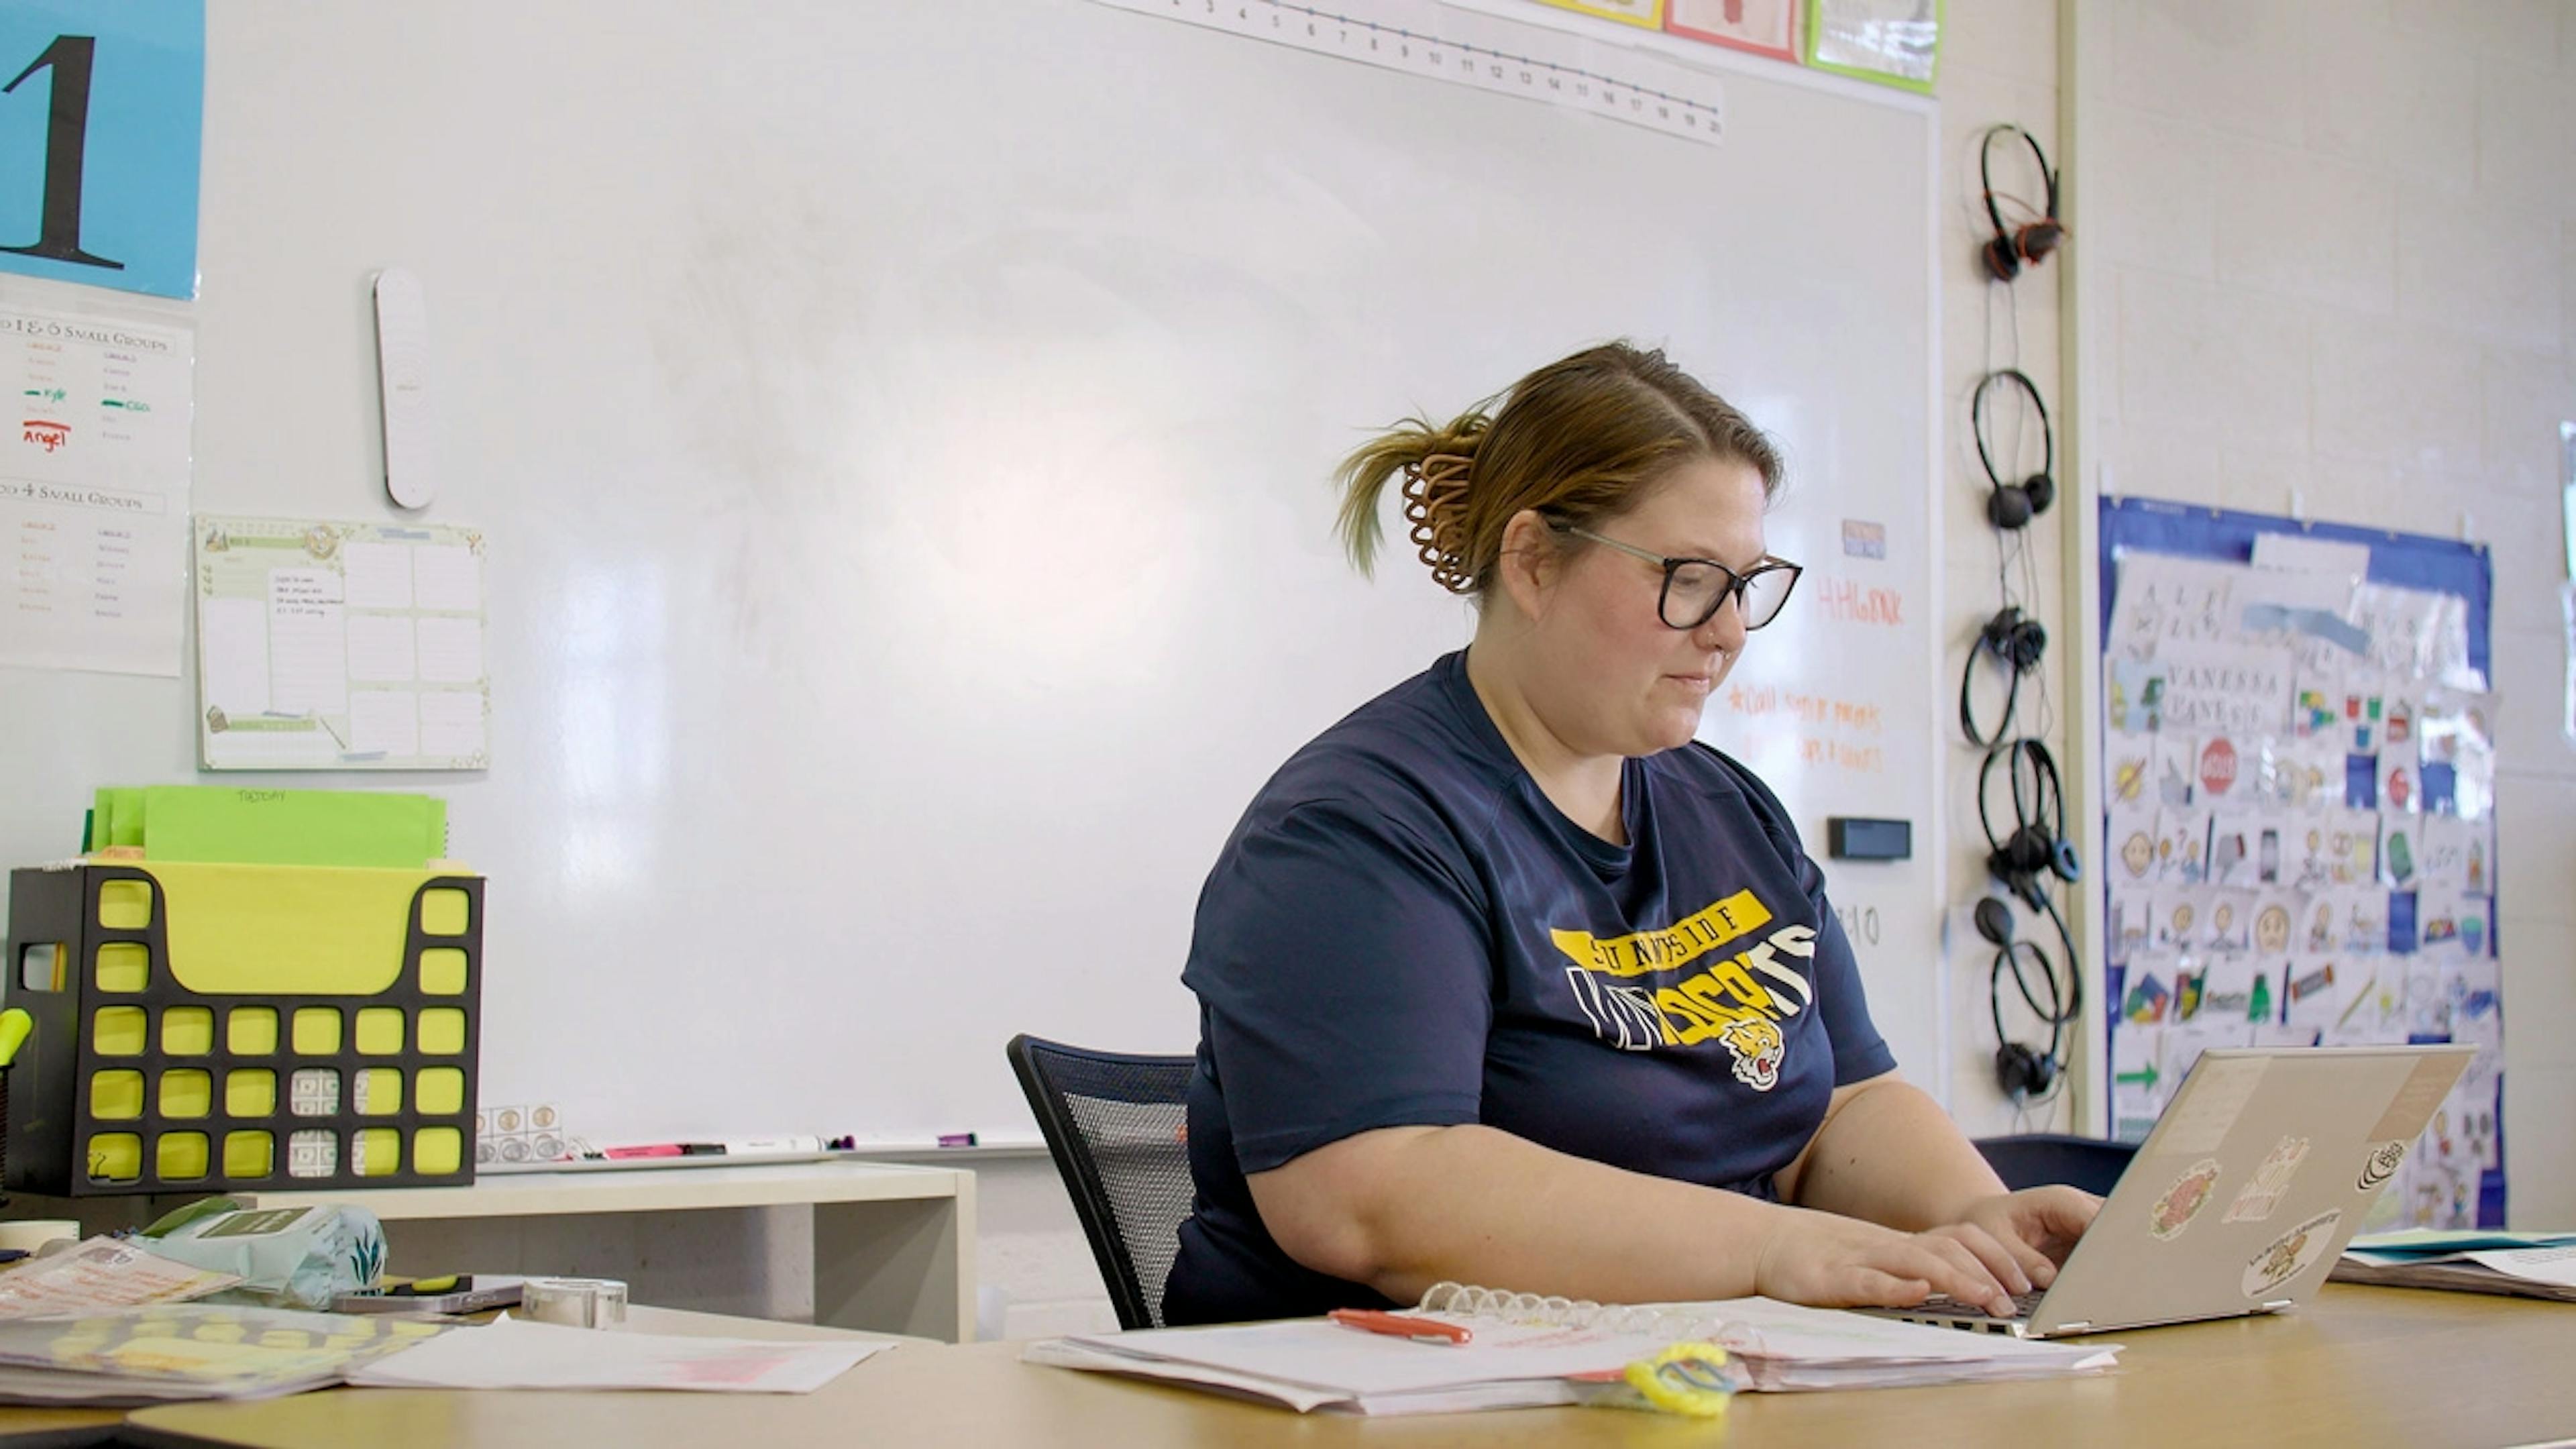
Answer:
(2037, 1226)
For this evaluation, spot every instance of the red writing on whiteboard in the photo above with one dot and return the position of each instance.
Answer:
(1846, 602)
(1820, 710)
(1825, 725)
(1861, 759)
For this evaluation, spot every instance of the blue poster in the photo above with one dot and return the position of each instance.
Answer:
(99, 130)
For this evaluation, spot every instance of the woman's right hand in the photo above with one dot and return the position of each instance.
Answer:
(1826, 1260)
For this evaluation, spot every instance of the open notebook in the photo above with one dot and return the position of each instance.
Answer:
(1529, 1352)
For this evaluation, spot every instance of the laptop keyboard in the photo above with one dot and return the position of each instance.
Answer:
(2023, 1305)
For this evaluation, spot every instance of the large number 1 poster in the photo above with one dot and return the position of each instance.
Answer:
(99, 125)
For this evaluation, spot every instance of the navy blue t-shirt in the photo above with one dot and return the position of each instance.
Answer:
(1404, 931)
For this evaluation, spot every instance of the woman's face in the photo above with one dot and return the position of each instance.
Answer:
(1618, 680)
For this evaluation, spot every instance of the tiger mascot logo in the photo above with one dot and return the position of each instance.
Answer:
(1755, 1042)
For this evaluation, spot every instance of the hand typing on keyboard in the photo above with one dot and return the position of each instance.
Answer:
(1831, 1261)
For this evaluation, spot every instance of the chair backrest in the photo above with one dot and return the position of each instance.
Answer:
(1118, 1129)
(2036, 1159)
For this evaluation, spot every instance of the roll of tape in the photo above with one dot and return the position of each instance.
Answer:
(34, 1233)
(574, 1302)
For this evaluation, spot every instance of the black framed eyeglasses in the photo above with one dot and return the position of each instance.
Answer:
(1696, 588)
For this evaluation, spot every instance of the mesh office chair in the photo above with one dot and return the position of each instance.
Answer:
(1117, 1128)
(2036, 1159)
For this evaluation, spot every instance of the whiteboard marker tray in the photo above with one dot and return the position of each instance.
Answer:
(632, 1164)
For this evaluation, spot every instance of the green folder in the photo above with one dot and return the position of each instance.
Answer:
(120, 818)
(275, 827)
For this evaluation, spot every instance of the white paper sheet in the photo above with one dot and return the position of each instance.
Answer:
(1771, 1346)
(94, 481)
(515, 1354)
(379, 575)
(102, 1274)
(340, 646)
(386, 721)
(380, 649)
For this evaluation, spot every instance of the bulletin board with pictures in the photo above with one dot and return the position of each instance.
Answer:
(2299, 837)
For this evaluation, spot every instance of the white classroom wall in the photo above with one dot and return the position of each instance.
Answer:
(2328, 249)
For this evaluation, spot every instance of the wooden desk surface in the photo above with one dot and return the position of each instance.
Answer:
(2359, 1366)
(558, 1194)
(549, 1194)
(58, 1428)
(32, 1428)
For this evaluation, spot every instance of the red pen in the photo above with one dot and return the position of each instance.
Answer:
(1396, 1325)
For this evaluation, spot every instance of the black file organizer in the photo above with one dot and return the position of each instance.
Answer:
(58, 1145)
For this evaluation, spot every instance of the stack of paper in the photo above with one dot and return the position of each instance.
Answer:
(516, 1354)
(190, 1351)
(1309, 1364)
(272, 827)
(100, 1275)
(2528, 1265)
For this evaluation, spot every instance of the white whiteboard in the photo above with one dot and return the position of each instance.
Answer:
(901, 430)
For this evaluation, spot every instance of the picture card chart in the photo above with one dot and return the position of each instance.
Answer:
(93, 483)
(340, 646)
(2299, 827)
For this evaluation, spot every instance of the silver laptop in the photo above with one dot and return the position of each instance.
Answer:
(2240, 1200)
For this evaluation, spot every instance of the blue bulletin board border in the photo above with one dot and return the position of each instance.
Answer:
(2452, 566)
(2410, 560)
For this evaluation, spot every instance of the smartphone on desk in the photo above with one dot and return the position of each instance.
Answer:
(457, 1293)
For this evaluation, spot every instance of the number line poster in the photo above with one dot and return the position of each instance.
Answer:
(340, 646)
(1439, 42)
(94, 475)
(101, 110)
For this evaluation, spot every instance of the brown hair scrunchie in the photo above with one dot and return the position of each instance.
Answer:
(1435, 492)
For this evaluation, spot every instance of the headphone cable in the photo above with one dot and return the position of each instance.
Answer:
(1967, 710)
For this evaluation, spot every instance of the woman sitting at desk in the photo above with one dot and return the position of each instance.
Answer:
(1505, 980)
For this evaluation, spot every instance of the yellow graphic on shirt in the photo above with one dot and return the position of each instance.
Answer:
(1737, 1000)
(1758, 1048)
(1685, 941)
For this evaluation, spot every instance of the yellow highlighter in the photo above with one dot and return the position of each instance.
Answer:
(15, 1023)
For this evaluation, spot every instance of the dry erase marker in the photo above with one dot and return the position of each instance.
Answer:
(750, 1146)
(956, 1139)
(738, 1147)
(1397, 1325)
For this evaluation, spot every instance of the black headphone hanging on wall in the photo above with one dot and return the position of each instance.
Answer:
(2030, 243)
(2017, 641)
(2037, 845)
(2022, 861)
(2021, 1072)
(2013, 505)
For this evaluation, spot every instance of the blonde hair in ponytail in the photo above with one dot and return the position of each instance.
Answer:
(1579, 440)
(1436, 462)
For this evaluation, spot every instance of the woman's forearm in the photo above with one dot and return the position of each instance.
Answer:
(1888, 1153)
(1403, 1208)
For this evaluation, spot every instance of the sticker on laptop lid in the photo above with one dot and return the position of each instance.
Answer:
(2382, 1164)
(2183, 1201)
(2270, 1183)
(2291, 1254)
